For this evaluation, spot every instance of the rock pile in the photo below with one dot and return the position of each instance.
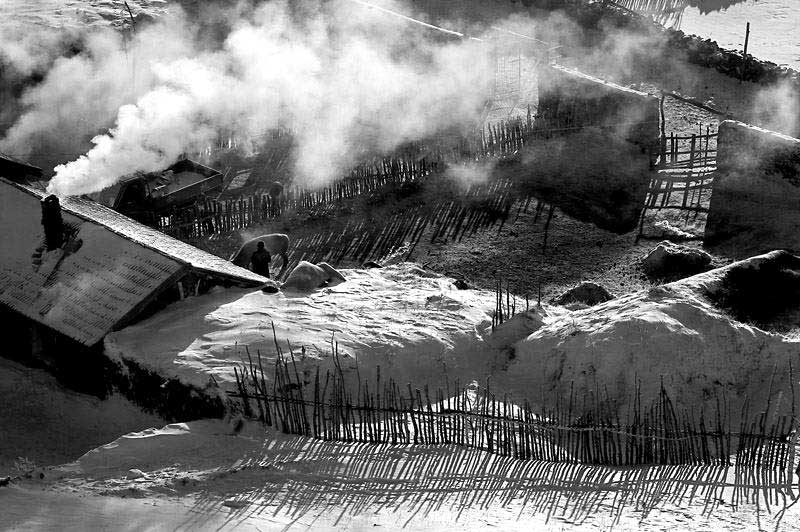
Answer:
(670, 262)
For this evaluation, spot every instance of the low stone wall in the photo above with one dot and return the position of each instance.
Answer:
(756, 197)
(570, 100)
(699, 51)
(708, 53)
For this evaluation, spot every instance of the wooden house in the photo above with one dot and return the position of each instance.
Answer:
(73, 270)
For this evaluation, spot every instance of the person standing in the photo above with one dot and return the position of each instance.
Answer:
(259, 260)
(275, 195)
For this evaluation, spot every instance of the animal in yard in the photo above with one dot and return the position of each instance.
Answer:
(275, 244)
(306, 276)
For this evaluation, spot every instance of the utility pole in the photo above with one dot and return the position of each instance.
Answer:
(744, 55)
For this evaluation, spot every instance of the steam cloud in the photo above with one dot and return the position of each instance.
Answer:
(346, 79)
(341, 76)
(778, 108)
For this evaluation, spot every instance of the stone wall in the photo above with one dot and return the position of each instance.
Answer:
(602, 17)
(756, 196)
(708, 53)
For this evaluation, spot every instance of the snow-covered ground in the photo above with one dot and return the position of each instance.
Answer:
(671, 333)
(420, 329)
(42, 423)
(205, 475)
(415, 324)
(212, 474)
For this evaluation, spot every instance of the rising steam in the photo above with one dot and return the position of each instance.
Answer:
(341, 76)
(345, 78)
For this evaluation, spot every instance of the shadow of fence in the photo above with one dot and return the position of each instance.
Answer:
(448, 219)
(463, 451)
(589, 431)
(300, 479)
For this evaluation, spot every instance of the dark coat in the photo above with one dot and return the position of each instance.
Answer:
(260, 260)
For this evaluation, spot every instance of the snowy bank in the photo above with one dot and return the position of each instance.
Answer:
(414, 324)
(45, 423)
(682, 333)
(704, 337)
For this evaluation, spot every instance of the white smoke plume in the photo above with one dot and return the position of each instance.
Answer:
(777, 107)
(27, 51)
(344, 78)
(80, 94)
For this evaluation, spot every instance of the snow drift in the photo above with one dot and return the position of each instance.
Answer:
(691, 335)
(679, 332)
(415, 324)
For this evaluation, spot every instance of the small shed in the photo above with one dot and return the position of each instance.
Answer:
(144, 197)
(75, 268)
(595, 145)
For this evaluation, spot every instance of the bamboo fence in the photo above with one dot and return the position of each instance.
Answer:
(418, 160)
(575, 430)
(665, 12)
(685, 171)
(685, 177)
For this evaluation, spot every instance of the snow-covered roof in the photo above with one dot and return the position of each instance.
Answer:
(152, 238)
(400, 316)
(119, 266)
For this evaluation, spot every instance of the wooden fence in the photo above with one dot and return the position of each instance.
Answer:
(573, 430)
(416, 161)
(482, 207)
(685, 167)
(685, 175)
(689, 151)
(479, 206)
(505, 304)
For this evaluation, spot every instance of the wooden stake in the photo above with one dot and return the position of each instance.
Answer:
(744, 55)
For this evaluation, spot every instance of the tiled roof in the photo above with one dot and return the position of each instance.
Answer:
(83, 294)
(118, 267)
(154, 239)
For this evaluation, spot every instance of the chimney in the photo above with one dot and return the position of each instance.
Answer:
(52, 222)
